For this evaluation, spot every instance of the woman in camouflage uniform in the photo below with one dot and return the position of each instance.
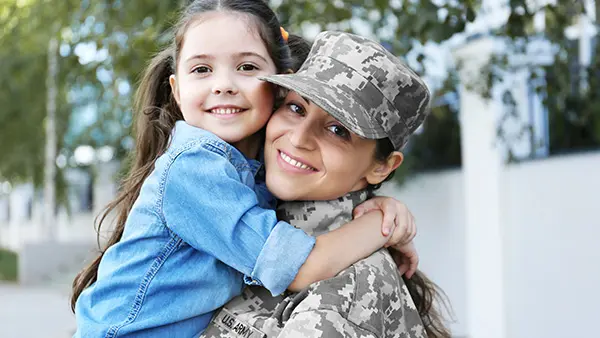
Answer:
(350, 108)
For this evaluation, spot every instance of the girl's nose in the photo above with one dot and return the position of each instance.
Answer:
(224, 84)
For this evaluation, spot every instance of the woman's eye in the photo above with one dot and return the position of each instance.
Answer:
(340, 131)
(201, 69)
(247, 67)
(296, 108)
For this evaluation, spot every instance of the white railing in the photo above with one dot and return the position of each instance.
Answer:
(76, 228)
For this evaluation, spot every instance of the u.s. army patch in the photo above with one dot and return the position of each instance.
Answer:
(236, 327)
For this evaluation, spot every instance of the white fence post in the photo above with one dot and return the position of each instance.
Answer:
(482, 164)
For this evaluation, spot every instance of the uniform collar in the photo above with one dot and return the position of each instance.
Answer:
(319, 217)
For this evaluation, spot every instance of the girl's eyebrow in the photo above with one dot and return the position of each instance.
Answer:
(238, 55)
(245, 54)
(200, 57)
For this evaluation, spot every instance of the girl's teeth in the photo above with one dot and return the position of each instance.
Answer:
(227, 111)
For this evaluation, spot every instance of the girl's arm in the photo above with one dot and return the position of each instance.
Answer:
(367, 233)
(205, 204)
(395, 212)
(338, 249)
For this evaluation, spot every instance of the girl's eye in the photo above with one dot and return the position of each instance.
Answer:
(340, 131)
(296, 109)
(201, 69)
(247, 67)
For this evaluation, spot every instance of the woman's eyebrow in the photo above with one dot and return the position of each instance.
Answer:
(305, 99)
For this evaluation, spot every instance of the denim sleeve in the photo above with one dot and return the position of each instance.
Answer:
(205, 203)
(265, 198)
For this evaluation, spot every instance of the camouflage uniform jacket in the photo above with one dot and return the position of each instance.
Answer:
(369, 299)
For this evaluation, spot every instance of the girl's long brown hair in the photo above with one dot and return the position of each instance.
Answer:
(156, 116)
(155, 112)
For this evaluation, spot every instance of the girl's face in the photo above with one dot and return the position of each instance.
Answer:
(309, 155)
(216, 84)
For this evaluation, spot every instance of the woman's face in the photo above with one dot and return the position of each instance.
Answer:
(309, 155)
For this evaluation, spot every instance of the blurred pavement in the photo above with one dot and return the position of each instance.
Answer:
(35, 311)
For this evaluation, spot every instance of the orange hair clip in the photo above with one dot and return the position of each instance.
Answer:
(284, 34)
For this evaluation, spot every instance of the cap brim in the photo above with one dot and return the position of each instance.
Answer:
(358, 120)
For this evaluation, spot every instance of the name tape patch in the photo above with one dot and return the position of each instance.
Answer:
(238, 328)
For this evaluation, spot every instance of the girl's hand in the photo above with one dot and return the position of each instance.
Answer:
(406, 258)
(396, 217)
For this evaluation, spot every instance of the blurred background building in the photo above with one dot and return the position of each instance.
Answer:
(503, 177)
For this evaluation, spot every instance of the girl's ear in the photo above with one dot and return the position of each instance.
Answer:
(174, 89)
(381, 170)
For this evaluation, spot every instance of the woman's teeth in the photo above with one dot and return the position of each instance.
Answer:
(225, 111)
(294, 162)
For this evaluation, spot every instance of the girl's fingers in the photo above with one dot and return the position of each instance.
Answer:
(412, 268)
(389, 224)
(358, 211)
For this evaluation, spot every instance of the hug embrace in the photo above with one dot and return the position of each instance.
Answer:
(249, 210)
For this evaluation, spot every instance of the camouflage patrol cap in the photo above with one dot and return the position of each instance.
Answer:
(368, 89)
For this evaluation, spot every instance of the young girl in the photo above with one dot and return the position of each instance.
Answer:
(190, 226)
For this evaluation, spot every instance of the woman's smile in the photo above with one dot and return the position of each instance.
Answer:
(309, 155)
(294, 164)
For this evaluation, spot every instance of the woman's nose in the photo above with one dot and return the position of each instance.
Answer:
(303, 135)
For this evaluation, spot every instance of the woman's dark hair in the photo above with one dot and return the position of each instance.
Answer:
(155, 109)
(299, 49)
(429, 299)
(431, 303)
(383, 149)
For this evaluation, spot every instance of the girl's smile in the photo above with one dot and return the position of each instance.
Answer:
(216, 84)
(226, 111)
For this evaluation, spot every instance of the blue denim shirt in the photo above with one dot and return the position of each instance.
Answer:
(194, 232)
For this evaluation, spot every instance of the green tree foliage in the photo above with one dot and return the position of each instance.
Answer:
(127, 31)
(570, 90)
(96, 88)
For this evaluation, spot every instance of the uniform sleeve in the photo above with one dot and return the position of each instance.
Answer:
(322, 323)
(205, 203)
